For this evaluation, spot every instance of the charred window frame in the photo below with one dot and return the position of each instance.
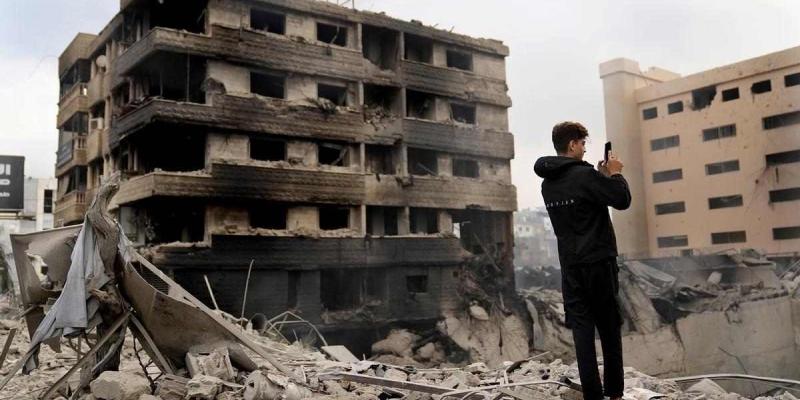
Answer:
(786, 233)
(665, 142)
(179, 15)
(422, 162)
(269, 216)
(332, 34)
(781, 195)
(676, 107)
(380, 159)
(761, 87)
(670, 208)
(420, 105)
(424, 220)
(459, 60)
(649, 113)
(781, 120)
(728, 237)
(418, 48)
(334, 154)
(334, 93)
(384, 98)
(347, 289)
(463, 113)
(383, 221)
(719, 132)
(268, 21)
(735, 200)
(417, 284)
(668, 175)
(268, 85)
(730, 94)
(380, 46)
(672, 241)
(267, 149)
(466, 168)
(333, 218)
(785, 157)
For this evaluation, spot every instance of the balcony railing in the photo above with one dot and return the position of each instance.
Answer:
(67, 149)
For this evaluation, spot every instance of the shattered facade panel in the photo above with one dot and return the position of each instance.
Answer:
(278, 132)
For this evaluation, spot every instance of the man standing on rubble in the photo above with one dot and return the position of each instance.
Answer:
(577, 198)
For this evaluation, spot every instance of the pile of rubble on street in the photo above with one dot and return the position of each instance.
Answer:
(106, 324)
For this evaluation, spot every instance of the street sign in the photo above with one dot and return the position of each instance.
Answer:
(12, 182)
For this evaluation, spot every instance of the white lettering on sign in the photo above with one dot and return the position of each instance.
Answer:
(5, 182)
(5, 194)
(5, 169)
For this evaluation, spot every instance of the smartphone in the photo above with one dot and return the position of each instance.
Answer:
(607, 151)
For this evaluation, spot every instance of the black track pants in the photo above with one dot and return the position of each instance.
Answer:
(590, 301)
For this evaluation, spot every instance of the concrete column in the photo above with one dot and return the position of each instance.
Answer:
(445, 221)
(403, 221)
(402, 161)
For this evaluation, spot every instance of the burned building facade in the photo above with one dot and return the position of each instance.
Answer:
(354, 158)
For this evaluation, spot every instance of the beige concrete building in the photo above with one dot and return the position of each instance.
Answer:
(713, 158)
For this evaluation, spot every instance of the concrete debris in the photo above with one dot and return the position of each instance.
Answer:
(216, 363)
(397, 343)
(203, 387)
(477, 312)
(116, 385)
(708, 388)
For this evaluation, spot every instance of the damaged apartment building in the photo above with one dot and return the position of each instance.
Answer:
(354, 158)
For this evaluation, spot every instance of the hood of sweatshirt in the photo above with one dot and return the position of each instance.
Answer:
(551, 167)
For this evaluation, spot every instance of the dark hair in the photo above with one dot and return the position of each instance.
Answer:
(565, 132)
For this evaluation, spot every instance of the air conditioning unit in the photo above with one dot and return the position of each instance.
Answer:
(96, 123)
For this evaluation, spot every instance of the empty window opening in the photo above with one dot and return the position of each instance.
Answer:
(183, 149)
(464, 113)
(267, 21)
(666, 176)
(332, 154)
(702, 98)
(268, 216)
(729, 237)
(465, 168)
(675, 107)
(380, 159)
(332, 218)
(791, 80)
(780, 195)
(730, 94)
(347, 289)
(422, 162)
(382, 99)
(719, 132)
(670, 208)
(382, 221)
(418, 48)
(725, 202)
(420, 105)
(417, 283)
(48, 201)
(293, 287)
(332, 34)
(267, 150)
(179, 15)
(761, 87)
(459, 59)
(171, 76)
(780, 120)
(175, 221)
(665, 143)
(424, 220)
(268, 85)
(649, 113)
(672, 241)
(380, 46)
(722, 167)
(335, 94)
(80, 72)
(75, 180)
(786, 233)
(784, 157)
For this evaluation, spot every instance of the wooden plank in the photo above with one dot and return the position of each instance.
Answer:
(339, 353)
(9, 339)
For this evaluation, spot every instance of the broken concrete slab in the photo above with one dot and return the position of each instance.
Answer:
(116, 385)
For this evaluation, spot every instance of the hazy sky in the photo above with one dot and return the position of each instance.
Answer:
(556, 47)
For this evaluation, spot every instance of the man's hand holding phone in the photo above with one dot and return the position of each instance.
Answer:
(610, 164)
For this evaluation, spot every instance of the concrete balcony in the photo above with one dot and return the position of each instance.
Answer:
(74, 100)
(254, 182)
(440, 192)
(71, 154)
(94, 144)
(98, 88)
(70, 208)
(285, 54)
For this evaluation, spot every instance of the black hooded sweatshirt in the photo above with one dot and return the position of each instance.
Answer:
(577, 198)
